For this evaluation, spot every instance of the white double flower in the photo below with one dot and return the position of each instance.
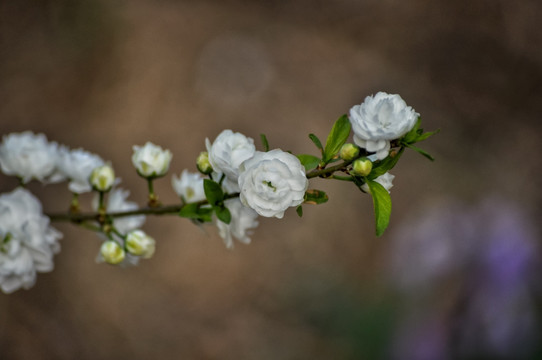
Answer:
(243, 221)
(189, 186)
(28, 156)
(228, 152)
(151, 160)
(77, 165)
(271, 182)
(27, 241)
(386, 180)
(379, 119)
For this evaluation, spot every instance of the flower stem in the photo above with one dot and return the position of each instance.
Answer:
(101, 206)
(74, 206)
(153, 198)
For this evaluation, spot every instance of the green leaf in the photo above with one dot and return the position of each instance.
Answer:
(189, 211)
(315, 197)
(385, 165)
(426, 135)
(213, 192)
(382, 206)
(223, 214)
(308, 161)
(411, 136)
(422, 152)
(195, 211)
(337, 137)
(299, 211)
(265, 143)
(316, 142)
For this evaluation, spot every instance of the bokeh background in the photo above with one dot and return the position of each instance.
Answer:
(457, 274)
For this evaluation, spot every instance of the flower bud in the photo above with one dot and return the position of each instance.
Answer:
(203, 164)
(362, 167)
(349, 151)
(140, 244)
(102, 178)
(151, 160)
(112, 252)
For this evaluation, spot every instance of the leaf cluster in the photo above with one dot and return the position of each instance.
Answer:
(215, 204)
(416, 135)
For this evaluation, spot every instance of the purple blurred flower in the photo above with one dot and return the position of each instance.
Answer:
(489, 253)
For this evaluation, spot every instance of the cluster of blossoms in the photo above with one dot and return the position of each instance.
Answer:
(235, 184)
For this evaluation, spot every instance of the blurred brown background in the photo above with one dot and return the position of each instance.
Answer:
(105, 75)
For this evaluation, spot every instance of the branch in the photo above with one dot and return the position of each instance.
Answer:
(328, 171)
(158, 210)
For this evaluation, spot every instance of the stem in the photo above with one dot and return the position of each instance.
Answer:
(329, 170)
(153, 198)
(151, 187)
(116, 232)
(88, 226)
(95, 216)
(101, 207)
(342, 178)
(74, 206)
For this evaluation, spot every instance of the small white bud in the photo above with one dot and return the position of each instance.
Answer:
(203, 164)
(151, 161)
(102, 178)
(112, 252)
(140, 244)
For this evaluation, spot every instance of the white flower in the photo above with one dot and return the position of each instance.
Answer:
(27, 242)
(385, 180)
(138, 243)
(228, 152)
(28, 156)
(243, 219)
(116, 202)
(189, 186)
(151, 160)
(229, 186)
(380, 119)
(271, 182)
(77, 165)
(102, 178)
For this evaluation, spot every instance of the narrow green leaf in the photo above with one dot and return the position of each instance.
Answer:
(316, 142)
(337, 137)
(426, 135)
(382, 206)
(308, 161)
(213, 192)
(265, 143)
(315, 197)
(299, 211)
(385, 165)
(223, 214)
(422, 152)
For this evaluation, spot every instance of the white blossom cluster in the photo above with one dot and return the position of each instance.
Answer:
(27, 241)
(249, 183)
(268, 183)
